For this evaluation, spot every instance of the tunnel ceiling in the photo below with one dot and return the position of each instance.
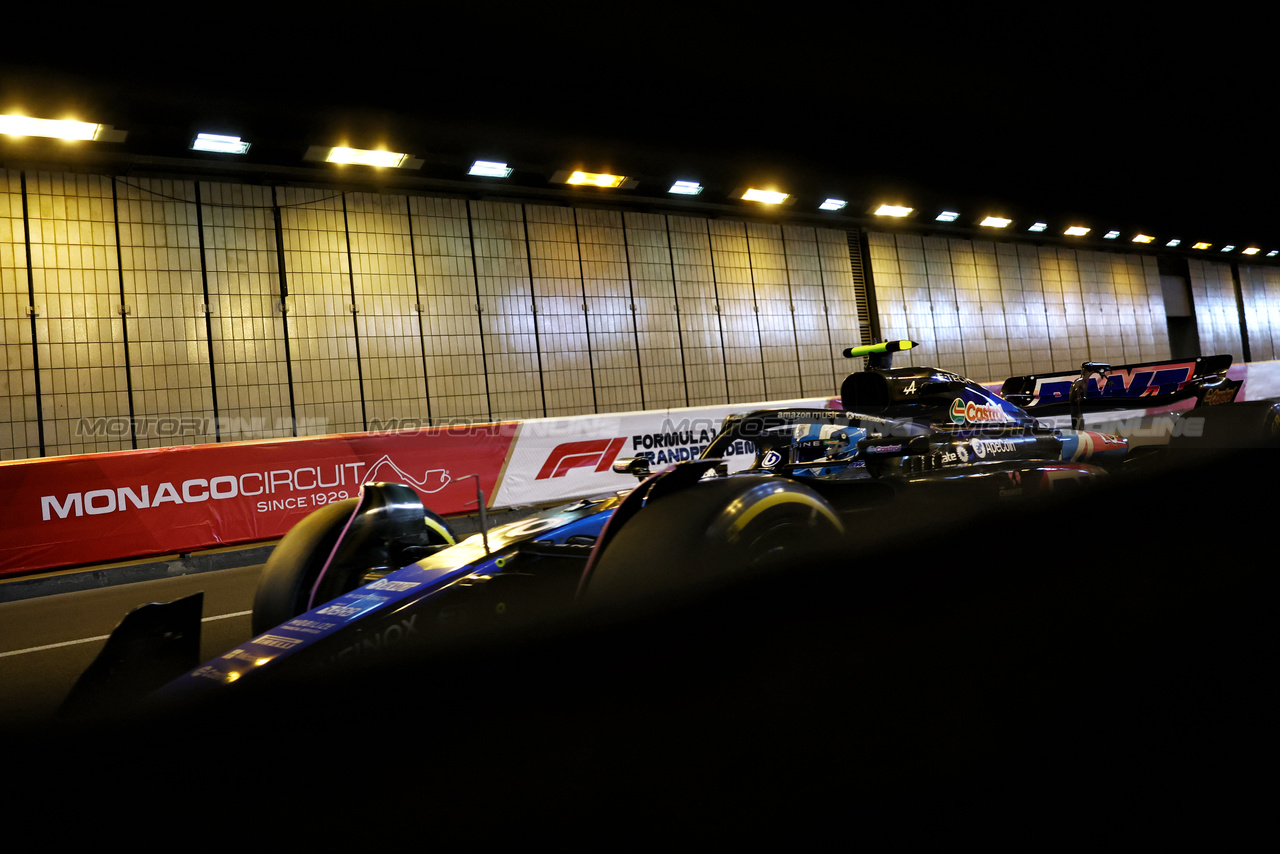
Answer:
(1117, 124)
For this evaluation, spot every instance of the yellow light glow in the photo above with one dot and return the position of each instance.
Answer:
(596, 179)
(1143, 238)
(12, 125)
(1077, 231)
(1201, 245)
(768, 197)
(362, 157)
(893, 210)
(1252, 250)
(996, 222)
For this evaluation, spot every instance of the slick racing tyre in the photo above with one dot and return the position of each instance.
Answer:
(712, 532)
(1229, 426)
(288, 586)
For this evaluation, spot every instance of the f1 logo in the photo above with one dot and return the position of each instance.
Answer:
(571, 455)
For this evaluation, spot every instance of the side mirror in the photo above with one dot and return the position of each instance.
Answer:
(637, 466)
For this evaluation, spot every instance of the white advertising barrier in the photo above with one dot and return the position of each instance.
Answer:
(1261, 380)
(560, 459)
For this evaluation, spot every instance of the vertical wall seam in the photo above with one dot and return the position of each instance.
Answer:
(420, 305)
(283, 281)
(533, 298)
(675, 296)
(124, 323)
(355, 314)
(208, 312)
(631, 300)
(31, 311)
(586, 313)
(475, 277)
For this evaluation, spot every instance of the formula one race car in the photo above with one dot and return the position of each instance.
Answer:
(359, 575)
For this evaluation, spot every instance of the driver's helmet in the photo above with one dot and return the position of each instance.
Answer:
(831, 444)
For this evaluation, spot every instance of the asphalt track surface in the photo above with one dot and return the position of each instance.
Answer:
(47, 641)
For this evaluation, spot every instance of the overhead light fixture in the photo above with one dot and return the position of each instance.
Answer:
(1252, 250)
(1201, 245)
(1174, 242)
(1039, 226)
(1077, 230)
(344, 156)
(219, 144)
(893, 210)
(595, 179)
(1142, 238)
(947, 216)
(832, 205)
(64, 129)
(489, 169)
(1273, 253)
(766, 197)
(686, 188)
(366, 157)
(1227, 248)
(995, 222)
(1111, 235)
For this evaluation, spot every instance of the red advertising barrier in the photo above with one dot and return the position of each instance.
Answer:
(64, 511)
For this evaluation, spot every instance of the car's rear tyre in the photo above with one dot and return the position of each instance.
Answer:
(288, 585)
(711, 533)
(1229, 426)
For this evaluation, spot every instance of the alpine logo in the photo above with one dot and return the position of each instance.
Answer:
(596, 453)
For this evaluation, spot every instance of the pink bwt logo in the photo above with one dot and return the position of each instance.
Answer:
(599, 453)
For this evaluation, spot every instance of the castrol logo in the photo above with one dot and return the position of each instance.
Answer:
(963, 412)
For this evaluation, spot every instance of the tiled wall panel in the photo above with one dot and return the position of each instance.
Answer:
(165, 305)
(322, 309)
(248, 325)
(1217, 316)
(84, 384)
(774, 308)
(658, 327)
(700, 317)
(991, 310)
(1260, 290)
(568, 362)
(808, 287)
(740, 324)
(611, 325)
(388, 324)
(457, 385)
(509, 324)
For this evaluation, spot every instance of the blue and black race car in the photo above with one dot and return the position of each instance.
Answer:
(357, 577)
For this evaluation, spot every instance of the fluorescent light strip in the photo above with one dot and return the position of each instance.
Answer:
(686, 188)
(219, 144)
(832, 205)
(490, 169)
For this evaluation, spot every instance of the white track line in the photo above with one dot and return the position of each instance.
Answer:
(104, 637)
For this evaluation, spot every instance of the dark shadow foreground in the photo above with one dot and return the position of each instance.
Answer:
(1119, 640)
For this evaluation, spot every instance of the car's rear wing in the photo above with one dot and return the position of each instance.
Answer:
(1143, 384)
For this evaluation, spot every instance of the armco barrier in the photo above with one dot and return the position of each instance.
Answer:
(94, 508)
